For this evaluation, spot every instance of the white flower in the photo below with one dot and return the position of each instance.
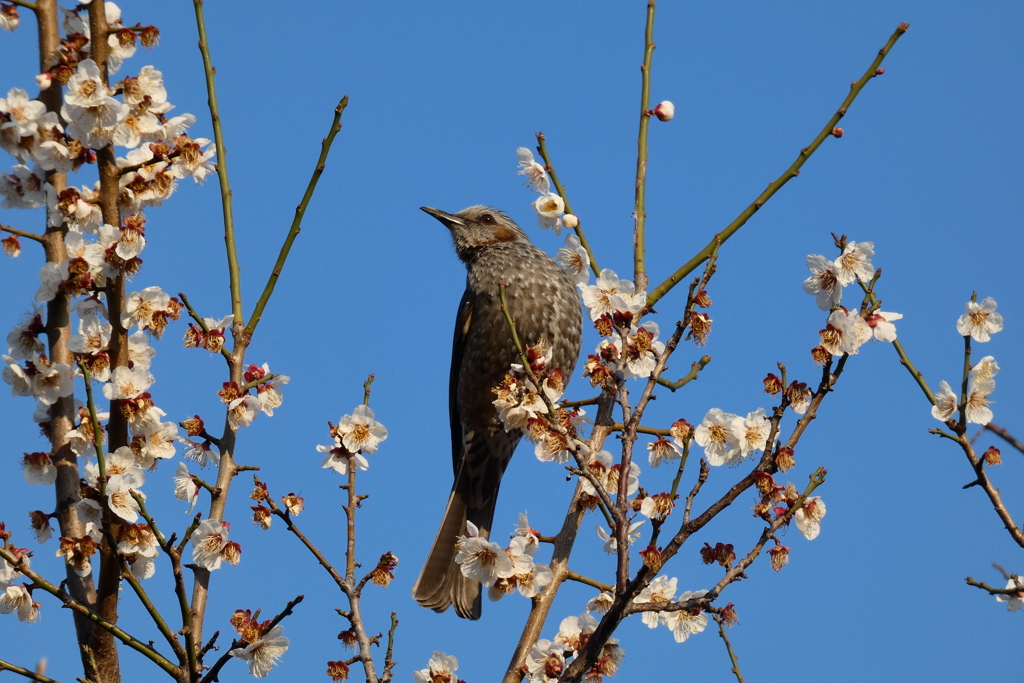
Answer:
(881, 325)
(549, 208)
(22, 188)
(808, 517)
(482, 560)
(980, 321)
(662, 449)
(608, 475)
(611, 544)
(18, 599)
(157, 442)
(536, 176)
(52, 381)
(684, 624)
(93, 336)
(545, 662)
(208, 543)
(753, 432)
(9, 17)
(661, 589)
(440, 669)
(855, 263)
(337, 458)
(38, 468)
(1013, 602)
(611, 294)
(823, 284)
(976, 409)
(265, 653)
(984, 369)
(185, 487)
(574, 260)
(845, 332)
(572, 630)
(192, 160)
(243, 410)
(600, 603)
(127, 383)
(945, 403)
(719, 436)
(359, 432)
(119, 495)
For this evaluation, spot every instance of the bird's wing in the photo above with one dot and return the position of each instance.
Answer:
(462, 323)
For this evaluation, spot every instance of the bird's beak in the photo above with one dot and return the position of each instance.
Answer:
(449, 220)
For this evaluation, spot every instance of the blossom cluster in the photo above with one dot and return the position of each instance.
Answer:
(521, 405)
(846, 330)
(500, 570)
(729, 439)
(15, 597)
(979, 322)
(243, 405)
(354, 435)
(260, 644)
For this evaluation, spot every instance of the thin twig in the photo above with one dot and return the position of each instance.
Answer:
(661, 290)
(728, 647)
(23, 233)
(542, 148)
(640, 206)
(296, 227)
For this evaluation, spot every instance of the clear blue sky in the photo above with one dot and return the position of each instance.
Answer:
(929, 169)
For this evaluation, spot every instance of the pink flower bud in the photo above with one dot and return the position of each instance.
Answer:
(570, 221)
(665, 111)
(837, 132)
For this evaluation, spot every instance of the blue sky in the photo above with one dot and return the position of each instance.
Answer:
(442, 94)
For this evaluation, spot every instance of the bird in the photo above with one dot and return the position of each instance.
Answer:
(543, 300)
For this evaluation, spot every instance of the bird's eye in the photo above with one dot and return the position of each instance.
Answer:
(487, 218)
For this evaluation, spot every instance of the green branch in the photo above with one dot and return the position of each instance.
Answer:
(300, 211)
(790, 173)
(640, 207)
(234, 275)
(542, 148)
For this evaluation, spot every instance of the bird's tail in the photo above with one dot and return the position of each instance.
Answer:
(441, 582)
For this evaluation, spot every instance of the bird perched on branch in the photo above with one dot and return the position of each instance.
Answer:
(542, 299)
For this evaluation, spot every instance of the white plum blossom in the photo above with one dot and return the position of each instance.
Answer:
(17, 378)
(545, 662)
(845, 332)
(662, 449)
(683, 623)
(185, 487)
(157, 442)
(38, 468)
(481, 559)
(984, 369)
(753, 432)
(360, 432)
(209, 541)
(263, 654)
(855, 263)
(1016, 601)
(607, 474)
(661, 589)
(976, 409)
(945, 402)
(192, 160)
(572, 629)
(127, 383)
(574, 260)
(719, 435)
(18, 599)
(440, 669)
(881, 325)
(243, 410)
(611, 294)
(536, 176)
(338, 457)
(808, 517)
(980, 321)
(52, 380)
(611, 544)
(823, 284)
(549, 208)
(22, 188)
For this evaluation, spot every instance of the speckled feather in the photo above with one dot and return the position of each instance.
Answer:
(543, 300)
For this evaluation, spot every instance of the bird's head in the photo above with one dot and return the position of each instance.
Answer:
(477, 227)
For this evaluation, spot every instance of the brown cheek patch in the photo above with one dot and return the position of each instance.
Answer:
(501, 234)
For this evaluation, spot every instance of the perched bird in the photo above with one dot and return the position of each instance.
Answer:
(544, 303)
